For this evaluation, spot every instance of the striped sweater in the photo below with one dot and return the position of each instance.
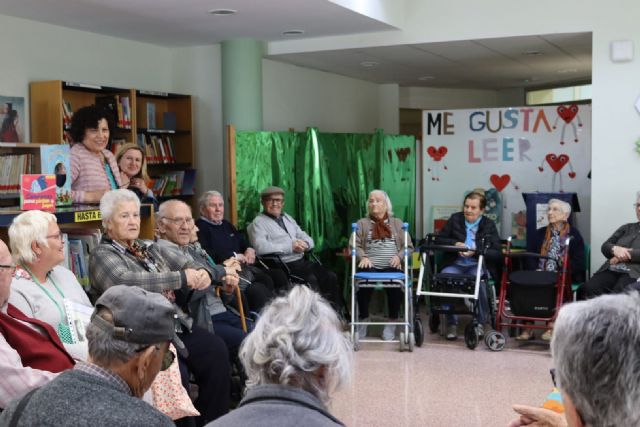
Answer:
(88, 174)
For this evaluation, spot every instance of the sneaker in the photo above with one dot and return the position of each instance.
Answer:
(452, 332)
(389, 332)
(526, 335)
(547, 335)
(361, 330)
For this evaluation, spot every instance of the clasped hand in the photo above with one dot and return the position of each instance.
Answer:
(197, 279)
(299, 246)
(465, 253)
(620, 254)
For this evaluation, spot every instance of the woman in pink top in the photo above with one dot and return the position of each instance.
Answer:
(94, 169)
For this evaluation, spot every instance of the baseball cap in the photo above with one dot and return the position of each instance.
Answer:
(139, 317)
(270, 191)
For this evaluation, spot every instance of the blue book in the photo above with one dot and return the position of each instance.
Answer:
(55, 159)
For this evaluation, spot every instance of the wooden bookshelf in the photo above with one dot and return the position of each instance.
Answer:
(47, 120)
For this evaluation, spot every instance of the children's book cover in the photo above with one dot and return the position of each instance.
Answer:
(55, 160)
(38, 191)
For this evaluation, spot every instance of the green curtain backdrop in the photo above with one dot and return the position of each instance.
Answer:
(327, 177)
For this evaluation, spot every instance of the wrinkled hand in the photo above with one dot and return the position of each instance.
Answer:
(299, 246)
(229, 283)
(395, 261)
(623, 254)
(537, 417)
(614, 261)
(197, 279)
(232, 269)
(250, 255)
(365, 263)
(232, 263)
(241, 258)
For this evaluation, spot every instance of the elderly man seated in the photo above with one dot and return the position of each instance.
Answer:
(595, 349)
(175, 228)
(128, 338)
(275, 232)
(222, 241)
(31, 354)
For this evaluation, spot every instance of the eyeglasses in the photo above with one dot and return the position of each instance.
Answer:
(167, 359)
(277, 201)
(179, 221)
(10, 267)
(55, 236)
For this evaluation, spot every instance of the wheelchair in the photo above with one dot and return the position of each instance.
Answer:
(456, 293)
(401, 279)
(531, 295)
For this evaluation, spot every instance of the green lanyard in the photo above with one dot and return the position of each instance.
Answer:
(64, 332)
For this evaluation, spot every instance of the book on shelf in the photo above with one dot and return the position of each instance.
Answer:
(55, 159)
(119, 107)
(189, 182)
(176, 183)
(158, 149)
(11, 167)
(38, 191)
(67, 113)
(151, 115)
(116, 143)
(169, 120)
(80, 242)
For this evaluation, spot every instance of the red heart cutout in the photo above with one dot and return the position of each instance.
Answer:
(499, 182)
(572, 174)
(437, 153)
(567, 113)
(556, 162)
(540, 168)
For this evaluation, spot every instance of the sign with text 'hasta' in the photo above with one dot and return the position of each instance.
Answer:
(511, 150)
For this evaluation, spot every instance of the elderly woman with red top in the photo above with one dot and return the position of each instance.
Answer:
(94, 169)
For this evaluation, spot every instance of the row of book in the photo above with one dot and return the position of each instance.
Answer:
(78, 244)
(11, 167)
(67, 114)
(158, 149)
(120, 107)
(175, 183)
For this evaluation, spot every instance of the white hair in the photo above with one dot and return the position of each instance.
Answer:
(387, 200)
(203, 201)
(564, 206)
(26, 228)
(167, 205)
(298, 341)
(110, 201)
(595, 349)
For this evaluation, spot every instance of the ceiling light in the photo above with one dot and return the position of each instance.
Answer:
(532, 53)
(223, 12)
(423, 78)
(369, 64)
(292, 32)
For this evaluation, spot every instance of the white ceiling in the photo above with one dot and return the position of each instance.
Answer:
(483, 64)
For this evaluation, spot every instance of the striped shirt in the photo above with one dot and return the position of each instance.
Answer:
(380, 251)
(88, 172)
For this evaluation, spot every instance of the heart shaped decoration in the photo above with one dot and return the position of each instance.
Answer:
(402, 153)
(567, 113)
(556, 162)
(500, 182)
(572, 175)
(437, 153)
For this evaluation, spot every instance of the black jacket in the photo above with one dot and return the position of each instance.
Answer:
(456, 231)
(576, 253)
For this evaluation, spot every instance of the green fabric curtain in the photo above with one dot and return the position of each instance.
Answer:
(327, 177)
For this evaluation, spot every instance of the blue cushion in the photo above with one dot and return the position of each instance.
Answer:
(379, 276)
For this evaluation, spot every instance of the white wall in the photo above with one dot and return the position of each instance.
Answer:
(296, 97)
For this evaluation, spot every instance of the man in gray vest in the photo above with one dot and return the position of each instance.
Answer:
(128, 339)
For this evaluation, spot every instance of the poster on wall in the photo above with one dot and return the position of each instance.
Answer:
(11, 119)
(507, 151)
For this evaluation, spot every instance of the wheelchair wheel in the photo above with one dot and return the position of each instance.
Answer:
(470, 336)
(495, 341)
(418, 332)
(402, 343)
(434, 323)
(412, 341)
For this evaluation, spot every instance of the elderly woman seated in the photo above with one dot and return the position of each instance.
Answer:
(295, 358)
(121, 258)
(380, 248)
(40, 284)
(595, 352)
(622, 267)
(553, 238)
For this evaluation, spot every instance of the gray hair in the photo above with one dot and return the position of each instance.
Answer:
(564, 206)
(166, 205)
(387, 200)
(104, 349)
(110, 201)
(26, 228)
(203, 201)
(297, 335)
(595, 349)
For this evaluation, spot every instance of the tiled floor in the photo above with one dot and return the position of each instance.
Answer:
(442, 384)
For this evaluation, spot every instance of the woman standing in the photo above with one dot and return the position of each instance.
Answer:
(40, 285)
(94, 169)
(133, 165)
(380, 248)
